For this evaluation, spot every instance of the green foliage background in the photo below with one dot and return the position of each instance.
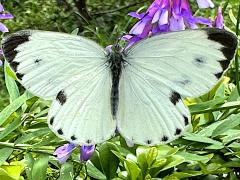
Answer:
(210, 150)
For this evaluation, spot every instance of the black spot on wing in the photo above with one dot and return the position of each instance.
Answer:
(186, 122)
(59, 131)
(19, 76)
(14, 65)
(51, 120)
(218, 75)
(225, 38)
(73, 138)
(185, 82)
(149, 142)
(37, 61)
(164, 138)
(178, 131)
(11, 42)
(199, 61)
(88, 141)
(174, 98)
(61, 97)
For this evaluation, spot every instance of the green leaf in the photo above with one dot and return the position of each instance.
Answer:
(229, 123)
(185, 174)
(29, 161)
(32, 134)
(66, 172)
(75, 31)
(173, 161)
(10, 84)
(10, 172)
(151, 155)
(109, 162)
(94, 172)
(196, 108)
(4, 154)
(5, 113)
(11, 127)
(39, 170)
(190, 157)
(133, 170)
(198, 138)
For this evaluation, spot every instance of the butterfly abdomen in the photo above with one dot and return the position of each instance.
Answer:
(115, 62)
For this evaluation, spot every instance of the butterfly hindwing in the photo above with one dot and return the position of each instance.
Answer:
(71, 71)
(160, 71)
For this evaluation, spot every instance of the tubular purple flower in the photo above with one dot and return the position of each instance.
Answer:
(163, 16)
(219, 21)
(86, 152)
(6, 16)
(3, 28)
(205, 4)
(63, 152)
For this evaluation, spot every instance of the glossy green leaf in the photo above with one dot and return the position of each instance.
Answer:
(10, 172)
(17, 103)
(108, 160)
(66, 172)
(40, 167)
(133, 170)
(227, 124)
(198, 138)
(29, 161)
(173, 160)
(11, 127)
(10, 84)
(4, 154)
(94, 172)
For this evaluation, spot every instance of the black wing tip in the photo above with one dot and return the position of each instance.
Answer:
(226, 38)
(11, 42)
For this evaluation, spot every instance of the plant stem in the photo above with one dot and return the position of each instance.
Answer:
(27, 147)
(236, 56)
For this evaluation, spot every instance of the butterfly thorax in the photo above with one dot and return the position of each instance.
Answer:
(115, 63)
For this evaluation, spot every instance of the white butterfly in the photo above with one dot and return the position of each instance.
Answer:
(137, 93)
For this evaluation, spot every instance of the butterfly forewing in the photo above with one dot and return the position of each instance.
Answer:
(71, 71)
(163, 69)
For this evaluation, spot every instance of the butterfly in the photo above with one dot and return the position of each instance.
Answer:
(137, 92)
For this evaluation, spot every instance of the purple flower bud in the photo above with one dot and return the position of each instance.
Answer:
(86, 152)
(205, 4)
(63, 152)
(6, 16)
(219, 21)
(3, 28)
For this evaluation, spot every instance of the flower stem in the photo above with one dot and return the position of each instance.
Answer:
(27, 147)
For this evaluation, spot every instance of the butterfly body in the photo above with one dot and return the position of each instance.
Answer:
(115, 63)
(138, 92)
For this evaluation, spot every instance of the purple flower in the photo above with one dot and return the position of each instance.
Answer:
(3, 28)
(63, 152)
(219, 22)
(205, 4)
(3, 15)
(163, 16)
(86, 152)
